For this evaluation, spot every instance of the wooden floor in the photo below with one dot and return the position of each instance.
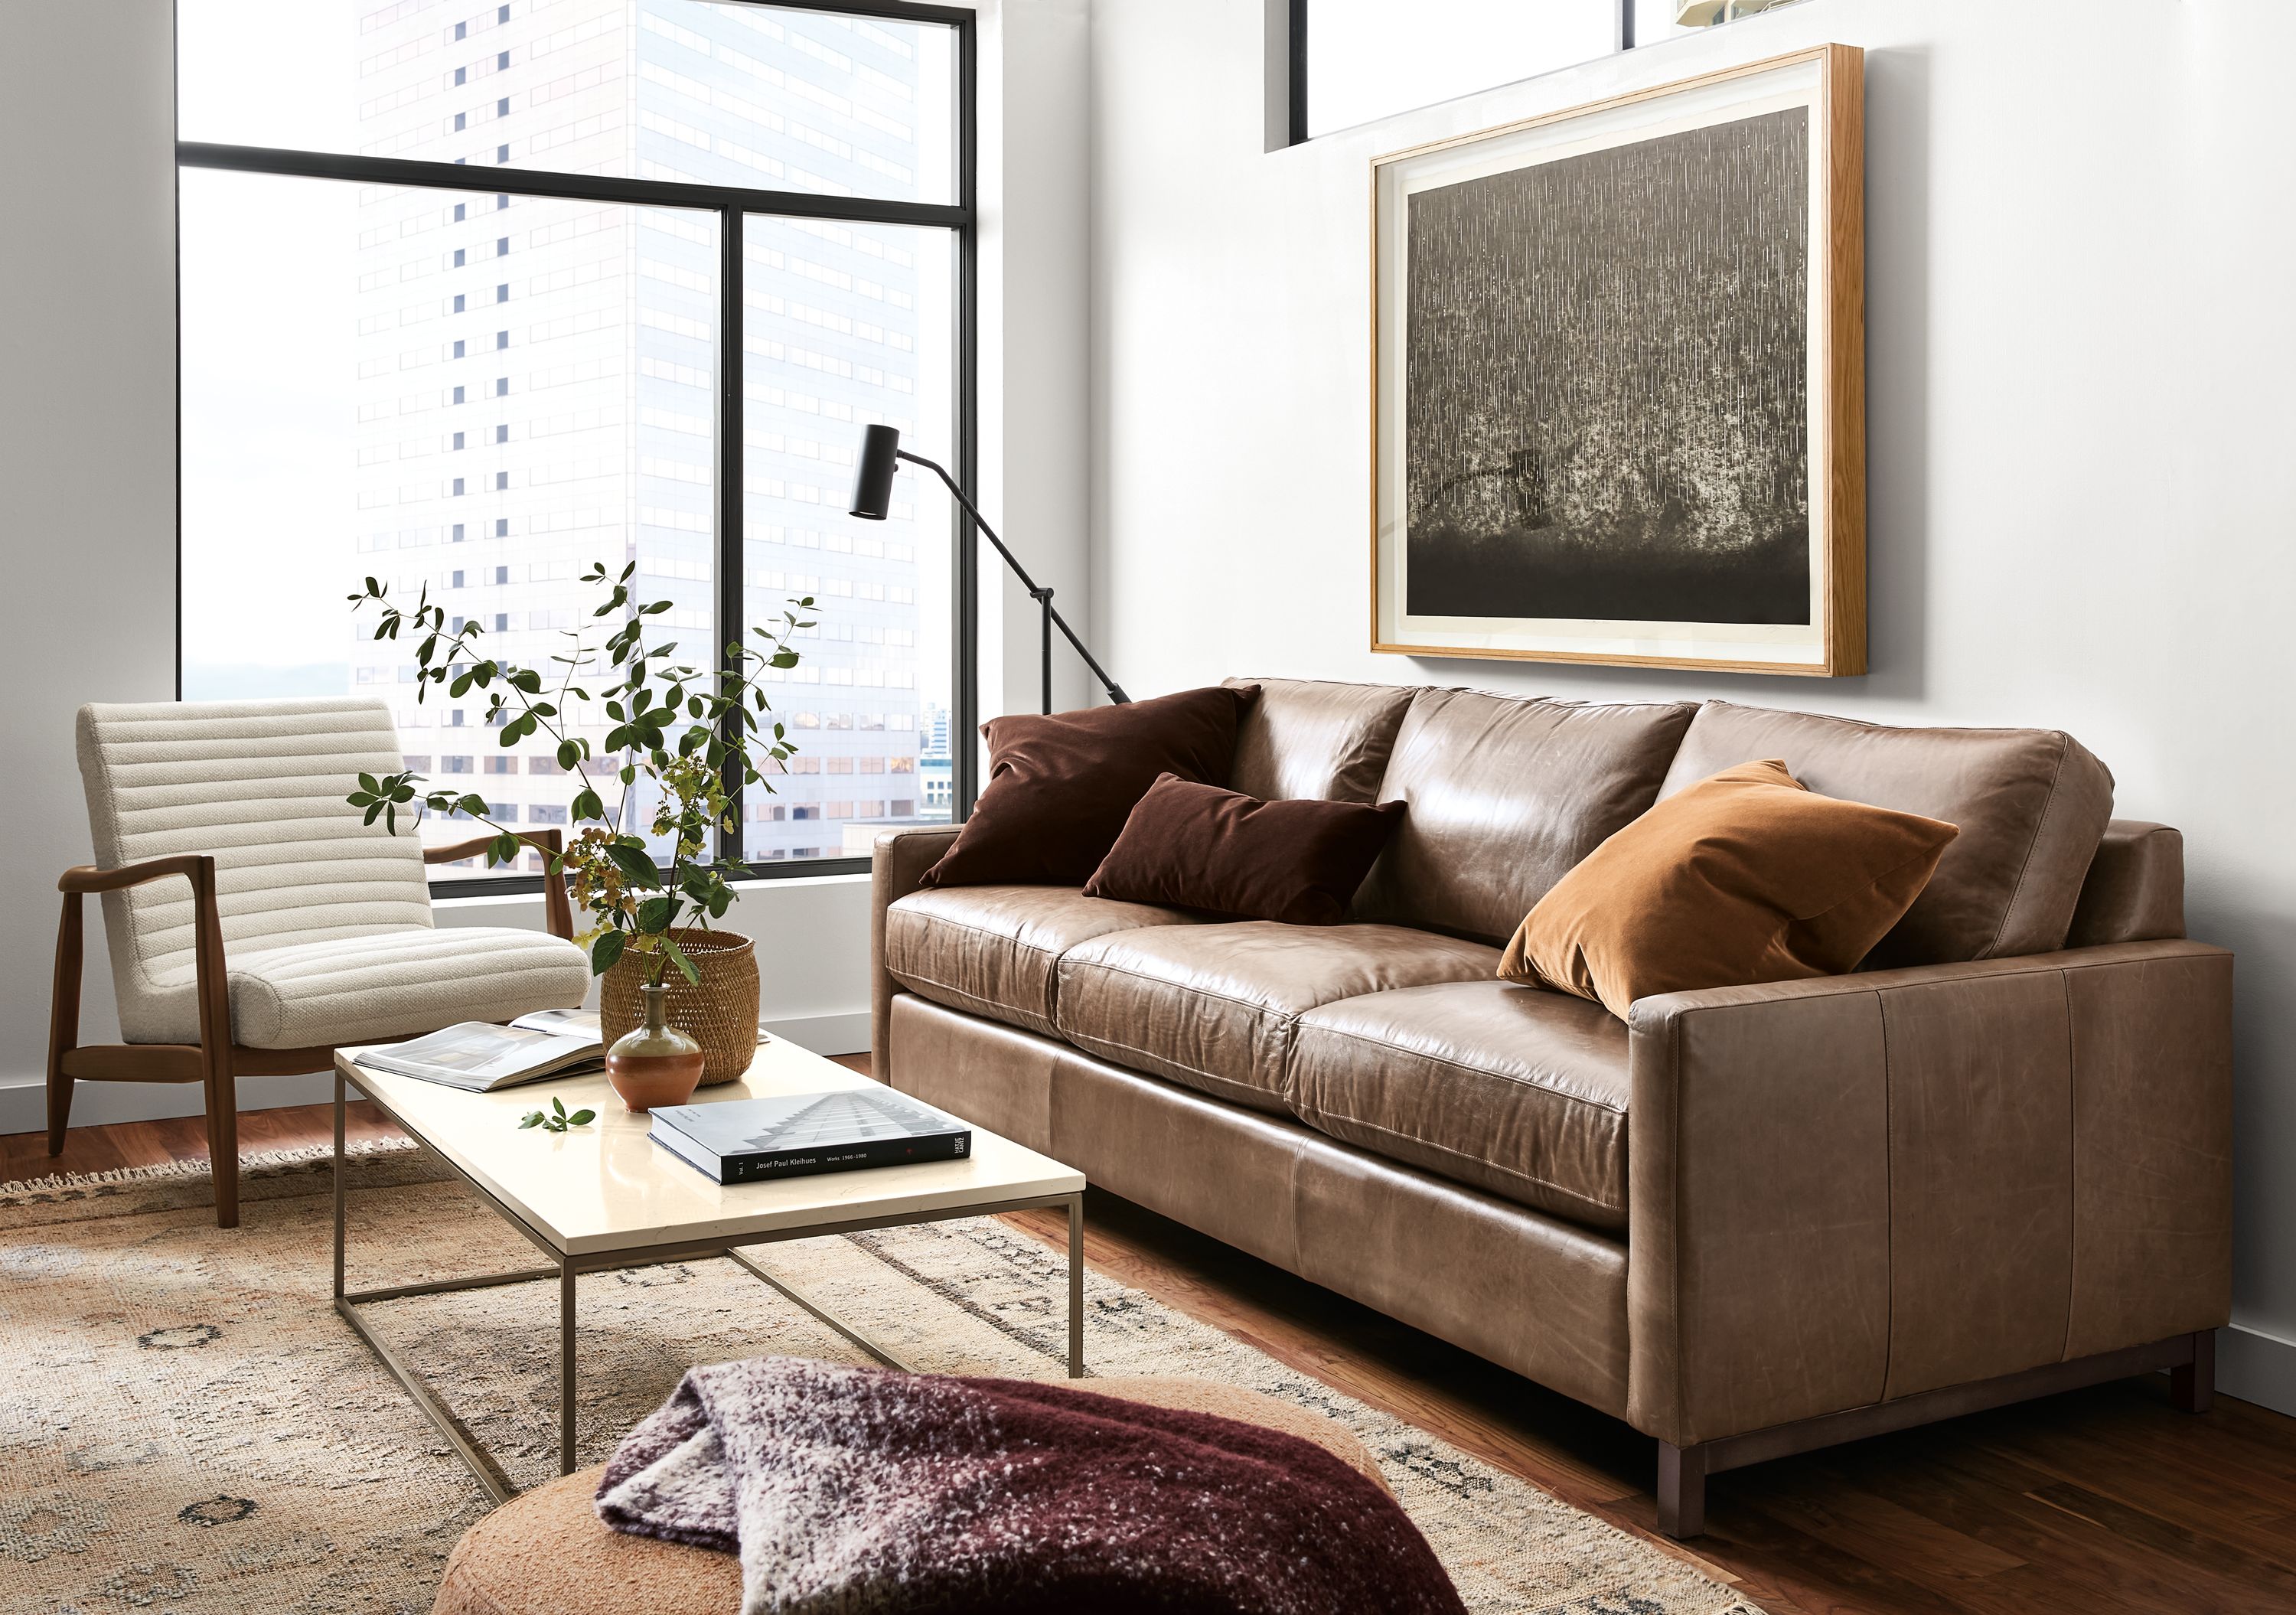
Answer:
(2096, 1502)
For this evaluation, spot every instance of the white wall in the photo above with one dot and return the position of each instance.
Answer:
(2078, 341)
(88, 445)
(87, 476)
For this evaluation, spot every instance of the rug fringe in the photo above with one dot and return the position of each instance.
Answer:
(262, 1163)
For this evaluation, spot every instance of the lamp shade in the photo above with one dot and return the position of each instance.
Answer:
(872, 478)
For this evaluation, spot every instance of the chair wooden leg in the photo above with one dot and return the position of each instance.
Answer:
(1681, 1490)
(2193, 1387)
(223, 1135)
(63, 1021)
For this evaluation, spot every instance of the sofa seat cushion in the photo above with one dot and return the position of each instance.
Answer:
(1212, 1007)
(376, 988)
(989, 950)
(1516, 1090)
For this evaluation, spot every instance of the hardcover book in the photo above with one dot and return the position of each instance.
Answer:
(744, 1141)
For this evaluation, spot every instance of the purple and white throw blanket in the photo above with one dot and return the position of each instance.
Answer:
(857, 1490)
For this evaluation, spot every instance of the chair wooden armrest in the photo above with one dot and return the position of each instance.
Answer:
(214, 990)
(87, 877)
(557, 910)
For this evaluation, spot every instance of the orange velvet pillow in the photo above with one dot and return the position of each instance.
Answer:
(1748, 876)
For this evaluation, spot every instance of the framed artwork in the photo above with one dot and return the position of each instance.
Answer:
(1618, 380)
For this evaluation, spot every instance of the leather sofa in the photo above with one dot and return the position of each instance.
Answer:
(1993, 1162)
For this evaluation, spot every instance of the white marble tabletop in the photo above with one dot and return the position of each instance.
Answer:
(607, 1187)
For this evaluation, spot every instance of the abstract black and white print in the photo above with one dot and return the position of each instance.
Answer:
(1606, 384)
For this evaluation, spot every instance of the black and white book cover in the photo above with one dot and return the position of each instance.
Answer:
(790, 1136)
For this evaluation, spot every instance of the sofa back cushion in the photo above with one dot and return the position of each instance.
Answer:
(1314, 739)
(2032, 805)
(1505, 796)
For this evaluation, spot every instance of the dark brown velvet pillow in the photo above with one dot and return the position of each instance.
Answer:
(1745, 877)
(1192, 846)
(1061, 785)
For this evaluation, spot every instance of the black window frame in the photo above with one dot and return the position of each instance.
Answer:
(732, 205)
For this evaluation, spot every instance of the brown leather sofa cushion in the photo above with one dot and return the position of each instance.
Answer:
(1213, 1006)
(1199, 847)
(1316, 739)
(1510, 1089)
(2135, 891)
(1745, 877)
(989, 950)
(1506, 798)
(1060, 785)
(2032, 805)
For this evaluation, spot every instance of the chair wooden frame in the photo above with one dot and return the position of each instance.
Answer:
(214, 1062)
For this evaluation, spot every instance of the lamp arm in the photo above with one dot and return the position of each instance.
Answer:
(1044, 597)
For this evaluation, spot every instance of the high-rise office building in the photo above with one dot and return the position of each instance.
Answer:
(537, 377)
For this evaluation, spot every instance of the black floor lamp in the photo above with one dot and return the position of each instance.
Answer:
(872, 494)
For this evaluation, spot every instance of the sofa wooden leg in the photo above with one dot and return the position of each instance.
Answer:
(1681, 1490)
(2193, 1386)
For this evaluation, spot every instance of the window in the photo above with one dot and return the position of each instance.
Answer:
(1366, 60)
(824, 183)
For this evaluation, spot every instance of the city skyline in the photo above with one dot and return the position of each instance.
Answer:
(534, 387)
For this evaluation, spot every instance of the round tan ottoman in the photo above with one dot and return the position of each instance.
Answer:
(543, 1552)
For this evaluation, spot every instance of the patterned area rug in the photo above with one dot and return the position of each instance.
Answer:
(187, 1426)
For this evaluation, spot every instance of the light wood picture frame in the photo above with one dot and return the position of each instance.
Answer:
(1617, 380)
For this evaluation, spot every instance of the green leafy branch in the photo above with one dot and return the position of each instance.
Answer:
(695, 735)
(557, 1120)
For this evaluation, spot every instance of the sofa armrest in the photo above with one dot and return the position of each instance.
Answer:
(1852, 1189)
(898, 863)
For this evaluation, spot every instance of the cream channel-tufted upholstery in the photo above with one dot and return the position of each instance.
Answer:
(326, 920)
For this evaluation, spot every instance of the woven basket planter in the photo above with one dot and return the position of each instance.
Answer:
(719, 1012)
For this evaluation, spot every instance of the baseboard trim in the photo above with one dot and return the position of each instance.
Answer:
(24, 1105)
(2256, 1367)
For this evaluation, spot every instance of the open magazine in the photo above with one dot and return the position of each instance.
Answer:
(481, 1057)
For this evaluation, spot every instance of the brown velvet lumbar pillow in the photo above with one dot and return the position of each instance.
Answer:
(1060, 785)
(1745, 877)
(1192, 846)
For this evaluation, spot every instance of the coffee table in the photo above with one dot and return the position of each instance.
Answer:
(604, 1196)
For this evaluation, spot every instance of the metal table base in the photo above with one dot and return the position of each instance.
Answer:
(565, 1268)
